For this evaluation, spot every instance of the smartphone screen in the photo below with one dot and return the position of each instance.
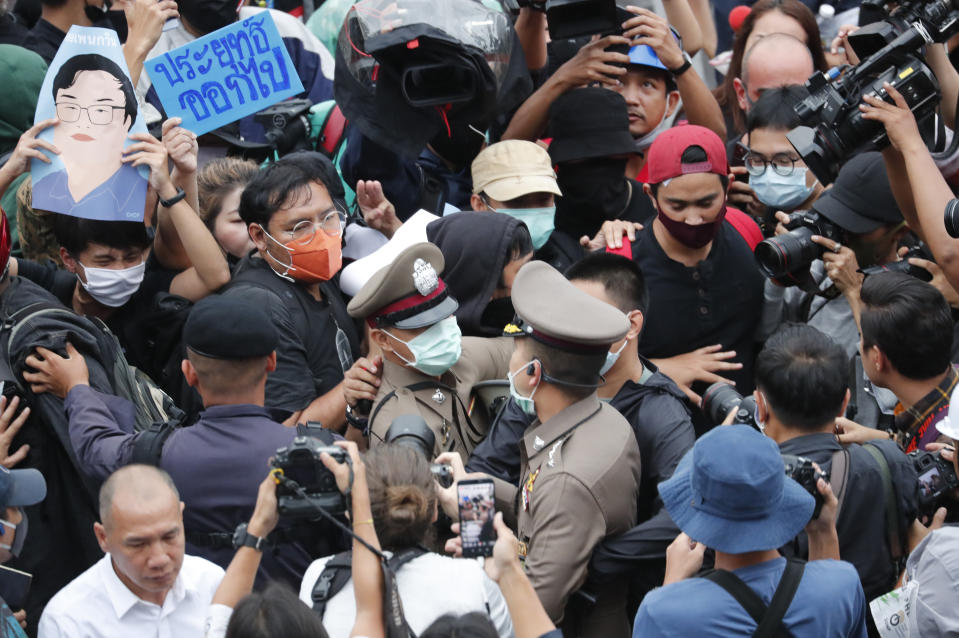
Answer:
(476, 506)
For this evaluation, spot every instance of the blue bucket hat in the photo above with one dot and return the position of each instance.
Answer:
(731, 493)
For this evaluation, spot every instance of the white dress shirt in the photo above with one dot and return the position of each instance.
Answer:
(430, 586)
(97, 604)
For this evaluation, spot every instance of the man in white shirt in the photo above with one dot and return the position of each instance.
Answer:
(145, 586)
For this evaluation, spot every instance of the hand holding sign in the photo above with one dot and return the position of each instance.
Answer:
(225, 75)
(181, 144)
(29, 148)
(150, 152)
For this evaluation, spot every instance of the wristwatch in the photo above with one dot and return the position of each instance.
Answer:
(167, 203)
(685, 67)
(359, 422)
(243, 538)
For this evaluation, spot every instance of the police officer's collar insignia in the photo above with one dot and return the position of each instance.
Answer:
(552, 453)
(538, 443)
(438, 396)
(424, 277)
(511, 329)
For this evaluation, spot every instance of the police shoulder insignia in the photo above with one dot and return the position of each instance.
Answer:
(424, 277)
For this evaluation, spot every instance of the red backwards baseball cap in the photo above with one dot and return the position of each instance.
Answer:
(665, 155)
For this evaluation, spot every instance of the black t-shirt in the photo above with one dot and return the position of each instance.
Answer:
(11, 30)
(719, 301)
(61, 284)
(307, 363)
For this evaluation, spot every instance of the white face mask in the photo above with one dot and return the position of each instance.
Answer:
(111, 287)
(612, 358)
(666, 121)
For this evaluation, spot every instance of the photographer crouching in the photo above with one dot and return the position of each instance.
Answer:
(801, 389)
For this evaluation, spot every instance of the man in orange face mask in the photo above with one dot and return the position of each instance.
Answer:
(294, 214)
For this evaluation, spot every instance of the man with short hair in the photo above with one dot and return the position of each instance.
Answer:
(730, 494)
(580, 469)
(145, 585)
(906, 345)
(297, 225)
(216, 462)
(704, 286)
(801, 387)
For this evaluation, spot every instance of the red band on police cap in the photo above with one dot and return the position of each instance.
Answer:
(411, 301)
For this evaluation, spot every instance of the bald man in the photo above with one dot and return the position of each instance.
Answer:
(775, 60)
(144, 585)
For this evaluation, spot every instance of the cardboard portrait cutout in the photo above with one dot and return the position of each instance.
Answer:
(88, 89)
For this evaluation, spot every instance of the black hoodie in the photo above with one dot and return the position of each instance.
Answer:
(475, 246)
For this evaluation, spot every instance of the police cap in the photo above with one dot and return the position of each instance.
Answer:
(407, 293)
(229, 328)
(554, 312)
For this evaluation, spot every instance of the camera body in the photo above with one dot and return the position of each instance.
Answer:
(802, 470)
(833, 126)
(937, 477)
(300, 462)
(411, 431)
(287, 125)
(720, 398)
(903, 266)
(795, 251)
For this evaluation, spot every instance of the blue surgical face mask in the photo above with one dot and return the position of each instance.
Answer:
(526, 404)
(784, 192)
(612, 358)
(539, 221)
(436, 349)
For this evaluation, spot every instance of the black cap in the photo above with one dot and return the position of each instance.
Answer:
(229, 328)
(860, 200)
(587, 123)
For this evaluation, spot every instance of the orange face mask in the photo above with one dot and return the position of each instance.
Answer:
(317, 260)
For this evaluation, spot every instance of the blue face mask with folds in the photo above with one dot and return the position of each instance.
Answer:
(436, 349)
(526, 404)
(539, 221)
(785, 192)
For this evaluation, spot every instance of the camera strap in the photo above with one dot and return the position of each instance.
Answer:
(769, 619)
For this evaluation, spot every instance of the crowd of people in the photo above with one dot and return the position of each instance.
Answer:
(621, 290)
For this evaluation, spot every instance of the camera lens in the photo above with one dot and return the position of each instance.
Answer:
(718, 400)
(784, 254)
(951, 218)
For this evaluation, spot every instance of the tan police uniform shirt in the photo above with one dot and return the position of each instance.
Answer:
(481, 360)
(580, 480)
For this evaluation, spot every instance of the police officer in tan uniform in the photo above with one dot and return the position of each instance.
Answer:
(580, 469)
(428, 367)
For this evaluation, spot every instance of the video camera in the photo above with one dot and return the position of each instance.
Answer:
(795, 251)
(937, 477)
(720, 398)
(833, 126)
(802, 470)
(410, 430)
(300, 462)
(572, 18)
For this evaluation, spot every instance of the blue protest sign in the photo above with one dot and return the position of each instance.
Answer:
(225, 75)
(88, 90)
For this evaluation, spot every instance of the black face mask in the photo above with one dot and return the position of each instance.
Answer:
(594, 191)
(498, 313)
(207, 16)
(462, 146)
(94, 14)
(118, 20)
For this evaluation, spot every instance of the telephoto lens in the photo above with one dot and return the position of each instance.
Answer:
(784, 254)
(720, 398)
(951, 218)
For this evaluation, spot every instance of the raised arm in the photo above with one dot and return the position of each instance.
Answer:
(209, 271)
(591, 64)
